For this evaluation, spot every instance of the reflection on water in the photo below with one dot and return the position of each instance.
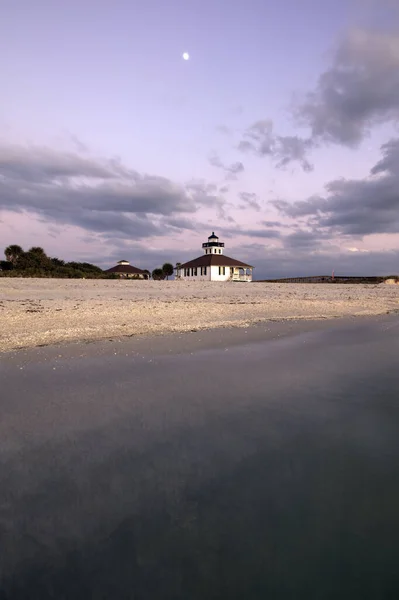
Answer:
(294, 498)
(313, 518)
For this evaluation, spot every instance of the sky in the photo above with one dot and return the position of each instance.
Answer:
(280, 133)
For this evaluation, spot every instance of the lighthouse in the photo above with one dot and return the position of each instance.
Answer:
(214, 265)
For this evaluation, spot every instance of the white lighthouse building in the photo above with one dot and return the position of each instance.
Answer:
(214, 265)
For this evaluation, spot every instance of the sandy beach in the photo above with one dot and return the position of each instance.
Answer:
(38, 312)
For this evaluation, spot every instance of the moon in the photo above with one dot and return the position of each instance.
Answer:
(186, 56)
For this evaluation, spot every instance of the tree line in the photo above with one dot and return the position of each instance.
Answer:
(36, 263)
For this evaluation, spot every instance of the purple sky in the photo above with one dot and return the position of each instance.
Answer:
(280, 132)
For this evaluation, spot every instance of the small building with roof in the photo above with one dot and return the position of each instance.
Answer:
(214, 265)
(125, 270)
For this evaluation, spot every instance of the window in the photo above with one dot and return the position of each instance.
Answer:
(195, 271)
(220, 252)
(204, 270)
(224, 270)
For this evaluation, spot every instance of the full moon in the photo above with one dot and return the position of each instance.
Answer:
(186, 56)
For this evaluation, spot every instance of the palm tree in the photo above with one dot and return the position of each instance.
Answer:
(158, 274)
(167, 270)
(37, 250)
(13, 252)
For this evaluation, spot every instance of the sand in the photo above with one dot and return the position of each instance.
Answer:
(36, 312)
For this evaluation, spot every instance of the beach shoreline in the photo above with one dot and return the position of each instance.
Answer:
(45, 312)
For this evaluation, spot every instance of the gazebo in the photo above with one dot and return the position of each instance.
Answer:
(125, 270)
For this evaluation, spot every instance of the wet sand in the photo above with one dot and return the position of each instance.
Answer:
(251, 463)
(36, 312)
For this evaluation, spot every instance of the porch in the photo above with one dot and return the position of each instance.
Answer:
(240, 274)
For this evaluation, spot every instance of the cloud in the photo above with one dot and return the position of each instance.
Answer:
(235, 232)
(250, 200)
(273, 224)
(273, 263)
(356, 207)
(223, 129)
(40, 165)
(260, 139)
(305, 240)
(360, 89)
(232, 170)
(99, 195)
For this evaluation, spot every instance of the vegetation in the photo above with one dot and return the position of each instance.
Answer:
(167, 270)
(163, 273)
(36, 263)
(158, 274)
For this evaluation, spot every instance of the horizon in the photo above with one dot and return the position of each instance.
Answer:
(136, 130)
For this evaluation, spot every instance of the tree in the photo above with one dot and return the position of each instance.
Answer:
(32, 260)
(167, 270)
(57, 262)
(12, 253)
(147, 274)
(37, 250)
(158, 274)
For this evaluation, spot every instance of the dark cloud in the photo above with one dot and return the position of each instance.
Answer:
(273, 263)
(250, 200)
(355, 207)
(273, 224)
(101, 196)
(261, 233)
(290, 149)
(260, 139)
(360, 89)
(41, 165)
(307, 240)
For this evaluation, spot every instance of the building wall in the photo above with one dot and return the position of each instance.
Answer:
(197, 277)
(212, 274)
(223, 276)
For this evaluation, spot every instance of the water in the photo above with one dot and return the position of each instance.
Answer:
(262, 470)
